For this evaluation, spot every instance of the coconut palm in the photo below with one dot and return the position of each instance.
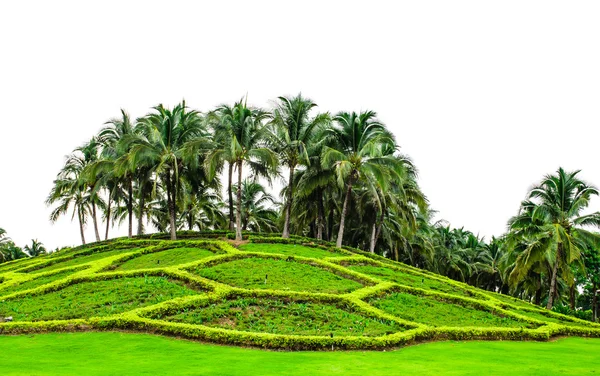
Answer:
(73, 187)
(356, 152)
(36, 248)
(551, 225)
(247, 145)
(293, 132)
(113, 168)
(200, 208)
(170, 140)
(258, 208)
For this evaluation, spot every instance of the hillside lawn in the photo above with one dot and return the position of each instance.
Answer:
(112, 353)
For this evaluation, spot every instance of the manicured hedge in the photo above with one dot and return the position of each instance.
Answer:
(140, 319)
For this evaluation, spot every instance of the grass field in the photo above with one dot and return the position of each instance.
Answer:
(289, 249)
(250, 273)
(292, 296)
(169, 257)
(435, 313)
(285, 317)
(98, 298)
(143, 354)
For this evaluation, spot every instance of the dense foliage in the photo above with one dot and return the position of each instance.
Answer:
(344, 180)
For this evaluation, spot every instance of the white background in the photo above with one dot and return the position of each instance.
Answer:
(486, 97)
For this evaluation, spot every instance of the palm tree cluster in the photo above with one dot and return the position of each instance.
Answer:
(167, 169)
(343, 179)
(9, 251)
(548, 255)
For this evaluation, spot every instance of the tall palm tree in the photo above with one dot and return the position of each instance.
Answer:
(72, 187)
(247, 145)
(292, 134)
(116, 139)
(171, 140)
(355, 151)
(551, 224)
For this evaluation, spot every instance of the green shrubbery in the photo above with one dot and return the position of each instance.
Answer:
(215, 292)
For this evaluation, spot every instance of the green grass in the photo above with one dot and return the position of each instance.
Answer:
(285, 317)
(27, 285)
(512, 300)
(289, 249)
(250, 273)
(170, 257)
(435, 313)
(542, 317)
(92, 299)
(81, 260)
(144, 354)
(407, 279)
(254, 314)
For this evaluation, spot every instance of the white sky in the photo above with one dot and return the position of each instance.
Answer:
(486, 97)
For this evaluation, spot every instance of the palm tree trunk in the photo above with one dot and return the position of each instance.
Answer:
(171, 205)
(320, 216)
(230, 193)
(95, 219)
(190, 222)
(538, 295)
(595, 303)
(80, 217)
(396, 252)
(340, 237)
(330, 225)
(373, 238)
(288, 207)
(140, 229)
(572, 296)
(130, 206)
(554, 276)
(108, 217)
(238, 219)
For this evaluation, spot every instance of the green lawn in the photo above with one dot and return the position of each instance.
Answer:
(435, 313)
(91, 299)
(285, 317)
(170, 257)
(143, 354)
(250, 273)
(82, 259)
(407, 279)
(289, 249)
(27, 285)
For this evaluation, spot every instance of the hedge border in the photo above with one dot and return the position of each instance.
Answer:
(356, 301)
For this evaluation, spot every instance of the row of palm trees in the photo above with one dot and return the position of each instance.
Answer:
(548, 254)
(343, 179)
(166, 167)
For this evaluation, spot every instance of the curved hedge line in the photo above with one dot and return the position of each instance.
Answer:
(140, 319)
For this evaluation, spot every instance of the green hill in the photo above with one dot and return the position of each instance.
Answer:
(267, 292)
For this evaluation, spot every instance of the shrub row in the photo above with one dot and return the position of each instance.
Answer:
(139, 319)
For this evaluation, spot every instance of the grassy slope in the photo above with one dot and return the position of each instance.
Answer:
(351, 286)
(142, 354)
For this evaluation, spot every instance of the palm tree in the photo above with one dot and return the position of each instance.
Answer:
(247, 145)
(116, 139)
(201, 208)
(171, 140)
(36, 248)
(258, 213)
(292, 135)
(551, 225)
(356, 154)
(73, 187)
